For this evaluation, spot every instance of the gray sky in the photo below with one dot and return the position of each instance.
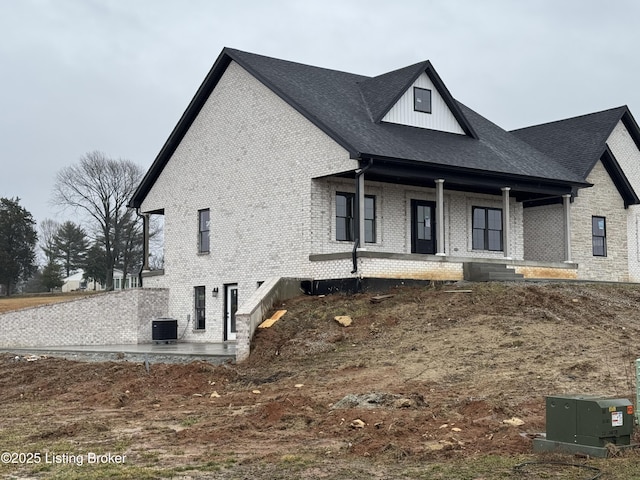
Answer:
(115, 75)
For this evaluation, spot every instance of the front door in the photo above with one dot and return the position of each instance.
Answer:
(423, 227)
(230, 308)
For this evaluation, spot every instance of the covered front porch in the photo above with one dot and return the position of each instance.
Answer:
(413, 221)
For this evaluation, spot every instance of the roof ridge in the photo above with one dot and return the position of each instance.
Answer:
(623, 108)
(232, 51)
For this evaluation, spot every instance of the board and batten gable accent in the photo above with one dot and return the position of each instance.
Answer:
(440, 118)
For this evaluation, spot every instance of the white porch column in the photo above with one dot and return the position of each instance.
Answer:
(440, 217)
(145, 246)
(361, 210)
(566, 202)
(506, 230)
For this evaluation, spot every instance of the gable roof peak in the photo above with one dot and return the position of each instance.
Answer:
(580, 142)
(382, 92)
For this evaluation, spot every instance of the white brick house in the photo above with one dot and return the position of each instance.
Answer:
(283, 169)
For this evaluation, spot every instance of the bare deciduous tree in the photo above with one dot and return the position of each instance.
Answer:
(101, 187)
(48, 230)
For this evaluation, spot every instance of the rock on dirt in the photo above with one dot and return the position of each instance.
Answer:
(377, 400)
(344, 320)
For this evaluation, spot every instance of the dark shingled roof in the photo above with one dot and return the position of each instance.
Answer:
(348, 107)
(578, 143)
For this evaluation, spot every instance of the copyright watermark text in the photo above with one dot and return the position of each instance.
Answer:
(35, 458)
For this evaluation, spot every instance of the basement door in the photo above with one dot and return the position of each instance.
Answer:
(423, 227)
(230, 308)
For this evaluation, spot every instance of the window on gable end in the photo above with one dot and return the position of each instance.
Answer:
(422, 100)
(203, 231)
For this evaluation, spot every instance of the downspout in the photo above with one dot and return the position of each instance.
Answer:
(356, 242)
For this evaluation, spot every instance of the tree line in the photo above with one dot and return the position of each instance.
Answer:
(107, 235)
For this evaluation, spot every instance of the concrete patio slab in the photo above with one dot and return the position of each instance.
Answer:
(180, 352)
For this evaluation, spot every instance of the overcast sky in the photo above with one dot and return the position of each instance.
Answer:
(115, 75)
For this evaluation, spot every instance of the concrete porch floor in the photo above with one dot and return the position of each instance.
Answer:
(180, 352)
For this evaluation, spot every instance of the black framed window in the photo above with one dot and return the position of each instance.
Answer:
(345, 218)
(370, 219)
(487, 229)
(200, 307)
(599, 236)
(422, 100)
(203, 231)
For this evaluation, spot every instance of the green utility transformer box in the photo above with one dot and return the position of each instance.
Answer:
(587, 424)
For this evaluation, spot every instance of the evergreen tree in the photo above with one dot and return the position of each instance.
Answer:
(18, 239)
(48, 231)
(95, 265)
(52, 276)
(131, 245)
(34, 284)
(70, 246)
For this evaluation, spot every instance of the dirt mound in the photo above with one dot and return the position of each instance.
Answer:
(428, 373)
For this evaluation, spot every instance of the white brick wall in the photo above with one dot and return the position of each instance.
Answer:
(249, 157)
(112, 318)
(633, 243)
(628, 156)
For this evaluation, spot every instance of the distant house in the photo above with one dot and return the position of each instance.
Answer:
(119, 283)
(283, 169)
(76, 282)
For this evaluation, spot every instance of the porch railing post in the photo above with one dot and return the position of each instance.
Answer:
(360, 226)
(506, 230)
(566, 202)
(145, 246)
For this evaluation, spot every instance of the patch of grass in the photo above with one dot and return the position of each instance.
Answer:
(189, 421)
(295, 462)
(18, 302)
(100, 472)
(148, 458)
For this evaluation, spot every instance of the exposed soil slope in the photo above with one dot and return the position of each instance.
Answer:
(430, 373)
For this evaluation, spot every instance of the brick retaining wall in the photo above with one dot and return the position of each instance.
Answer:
(103, 319)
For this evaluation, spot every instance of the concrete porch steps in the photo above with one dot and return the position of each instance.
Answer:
(490, 272)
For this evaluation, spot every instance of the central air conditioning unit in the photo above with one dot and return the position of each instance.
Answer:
(586, 424)
(164, 330)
